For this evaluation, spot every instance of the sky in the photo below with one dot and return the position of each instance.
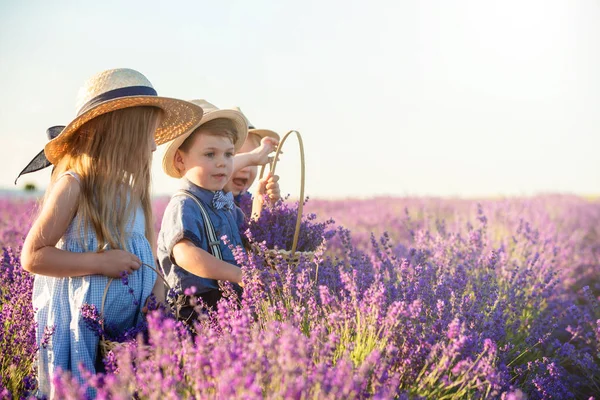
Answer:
(401, 98)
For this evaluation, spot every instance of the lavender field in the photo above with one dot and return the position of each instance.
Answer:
(412, 298)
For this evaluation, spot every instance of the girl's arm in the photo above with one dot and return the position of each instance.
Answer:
(40, 256)
(258, 156)
(201, 263)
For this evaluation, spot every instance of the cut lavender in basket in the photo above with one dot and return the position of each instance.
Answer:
(125, 280)
(93, 319)
(277, 224)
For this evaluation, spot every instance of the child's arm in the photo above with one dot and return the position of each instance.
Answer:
(159, 293)
(40, 256)
(269, 186)
(201, 263)
(159, 290)
(258, 156)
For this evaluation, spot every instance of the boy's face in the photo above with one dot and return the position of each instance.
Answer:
(209, 161)
(243, 179)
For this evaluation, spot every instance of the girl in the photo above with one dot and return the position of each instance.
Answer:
(96, 218)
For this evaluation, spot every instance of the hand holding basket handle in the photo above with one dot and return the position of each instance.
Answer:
(105, 344)
(273, 165)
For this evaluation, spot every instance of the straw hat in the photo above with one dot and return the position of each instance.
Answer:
(260, 132)
(116, 89)
(211, 112)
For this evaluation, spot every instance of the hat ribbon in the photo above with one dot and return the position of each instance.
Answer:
(128, 91)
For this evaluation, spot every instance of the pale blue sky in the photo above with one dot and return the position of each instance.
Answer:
(450, 98)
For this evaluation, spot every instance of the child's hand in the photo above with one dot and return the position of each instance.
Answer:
(114, 262)
(152, 304)
(261, 153)
(269, 186)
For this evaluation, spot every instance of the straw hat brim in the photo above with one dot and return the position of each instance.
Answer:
(265, 133)
(238, 119)
(179, 117)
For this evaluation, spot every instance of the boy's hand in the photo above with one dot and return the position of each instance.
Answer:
(269, 186)
(114, 262)
(260, 155)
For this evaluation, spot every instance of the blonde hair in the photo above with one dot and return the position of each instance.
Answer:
(112, 155)
(216, 127)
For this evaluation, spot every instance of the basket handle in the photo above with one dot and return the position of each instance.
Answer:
(302, 180)
(110, 281)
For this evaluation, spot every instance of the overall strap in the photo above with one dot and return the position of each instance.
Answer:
(213, 241)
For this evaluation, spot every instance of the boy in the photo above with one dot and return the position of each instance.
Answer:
(204, 161)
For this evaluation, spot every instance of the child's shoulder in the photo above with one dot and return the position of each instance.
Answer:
(181, 204)
(71, 174)
(182, 207)
(66, 189)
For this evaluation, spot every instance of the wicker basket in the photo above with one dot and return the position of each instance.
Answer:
(292, 257)
(273, 257)
(105, 344)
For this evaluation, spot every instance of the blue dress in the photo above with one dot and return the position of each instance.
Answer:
(57, 302)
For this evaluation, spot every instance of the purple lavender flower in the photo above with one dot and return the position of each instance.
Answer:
(447, 298)
(48, 332)
(276, 227)
(92, 319)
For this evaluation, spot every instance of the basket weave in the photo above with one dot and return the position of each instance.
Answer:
(292, 257)
(105, 344)
(273, 257)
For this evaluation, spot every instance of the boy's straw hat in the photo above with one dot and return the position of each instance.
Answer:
(260, 132)
(211, 112)
(116, 89)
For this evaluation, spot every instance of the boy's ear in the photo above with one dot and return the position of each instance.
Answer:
(178, 161)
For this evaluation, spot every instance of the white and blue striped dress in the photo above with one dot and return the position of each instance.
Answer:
(57, 302)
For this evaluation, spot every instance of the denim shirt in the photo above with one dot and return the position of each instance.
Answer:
(182, 220)
(244, 202)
